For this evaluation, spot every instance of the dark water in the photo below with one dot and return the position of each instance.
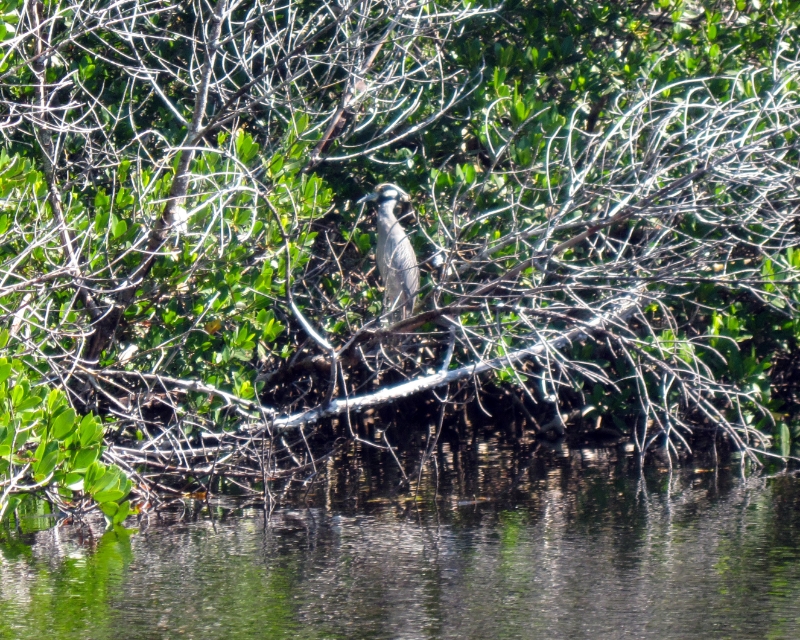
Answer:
(591, 552)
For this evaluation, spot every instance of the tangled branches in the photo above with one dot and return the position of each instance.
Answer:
(181, 254)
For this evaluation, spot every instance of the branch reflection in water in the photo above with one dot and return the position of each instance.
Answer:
(578, 545)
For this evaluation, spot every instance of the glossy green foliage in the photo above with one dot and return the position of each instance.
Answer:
(545, 81)
(45, 445)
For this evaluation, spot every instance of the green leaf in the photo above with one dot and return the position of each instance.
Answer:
(363, 243)
(106, 481)
(275, 164)
(301, 123)
(108, 495)
(84, 458)
(469, 172)
(74, 481)
(785, 440)
(94, 472)
(122, 172)
(123, 512)
(111, 480)
(5, 372)
(14, 502)
(87, 68)
(64, 424)
(29, 403)
(47, 458)
(109, 509)
(101, 221)
(89, 431)
(120, 227)
(20, 437)
(246, 147)
(54, 400)
(18, 393)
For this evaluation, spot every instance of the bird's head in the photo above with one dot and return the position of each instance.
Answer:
(386, 192)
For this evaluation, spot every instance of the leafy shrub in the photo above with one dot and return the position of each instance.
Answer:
(46, 448)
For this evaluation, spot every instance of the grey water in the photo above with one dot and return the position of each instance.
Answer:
(569, 553)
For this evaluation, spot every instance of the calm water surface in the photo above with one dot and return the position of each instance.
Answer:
(569, 553)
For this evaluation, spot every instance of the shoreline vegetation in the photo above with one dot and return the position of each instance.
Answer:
(604, 208)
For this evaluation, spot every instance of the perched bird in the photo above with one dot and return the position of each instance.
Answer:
(397, 261)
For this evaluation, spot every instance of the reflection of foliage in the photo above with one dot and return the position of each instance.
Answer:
(92, 591)
(574, 539)
(94, 582)
(181, 253)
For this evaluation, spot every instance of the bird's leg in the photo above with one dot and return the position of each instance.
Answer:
(393, 308)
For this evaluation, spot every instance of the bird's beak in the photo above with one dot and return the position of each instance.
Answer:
(370, 197)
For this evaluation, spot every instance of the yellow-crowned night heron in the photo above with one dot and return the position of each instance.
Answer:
(397, 262)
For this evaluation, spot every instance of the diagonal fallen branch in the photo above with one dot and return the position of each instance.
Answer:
(621, 311)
